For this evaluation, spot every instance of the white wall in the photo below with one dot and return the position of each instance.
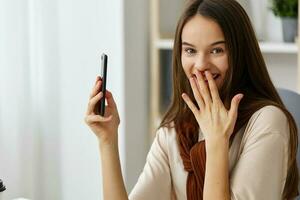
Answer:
(86, 29)
(283, 70)
(137, 78)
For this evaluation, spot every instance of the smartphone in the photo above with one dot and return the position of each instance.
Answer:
(103, 75)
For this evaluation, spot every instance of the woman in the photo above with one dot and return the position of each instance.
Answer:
(226, 134)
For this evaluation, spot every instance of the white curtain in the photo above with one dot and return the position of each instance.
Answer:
(29, 114)
(49, 58)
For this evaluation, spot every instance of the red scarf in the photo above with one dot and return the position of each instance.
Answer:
(194, 159)
(193, 155)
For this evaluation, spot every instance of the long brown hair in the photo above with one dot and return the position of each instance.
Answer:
(247, 74)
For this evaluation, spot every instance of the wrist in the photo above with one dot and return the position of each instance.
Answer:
(108, 142)
(108, 148)
(217, 145)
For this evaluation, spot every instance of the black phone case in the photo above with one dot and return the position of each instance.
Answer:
(103, 76)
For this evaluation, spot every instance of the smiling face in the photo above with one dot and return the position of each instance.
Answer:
(203, 49)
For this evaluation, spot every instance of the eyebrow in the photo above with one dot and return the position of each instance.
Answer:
(213, 44)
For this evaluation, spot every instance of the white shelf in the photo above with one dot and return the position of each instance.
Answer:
(266, 47)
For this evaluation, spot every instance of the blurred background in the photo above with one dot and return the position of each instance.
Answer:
(49, 59)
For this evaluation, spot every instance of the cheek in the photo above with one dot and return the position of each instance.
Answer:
(222, 65)
(186, 65)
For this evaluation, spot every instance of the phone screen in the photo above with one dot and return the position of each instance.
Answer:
(103, 75)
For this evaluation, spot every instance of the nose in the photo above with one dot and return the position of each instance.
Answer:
(201, 62)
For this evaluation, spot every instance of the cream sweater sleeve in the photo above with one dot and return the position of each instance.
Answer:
(261, 169)
(155, 180)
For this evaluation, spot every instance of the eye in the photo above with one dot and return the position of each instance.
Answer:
(217, 50)
(189, 51)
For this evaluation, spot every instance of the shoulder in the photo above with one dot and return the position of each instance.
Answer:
(270, 112)
(160, 147)
(269, 119)
(166, 135)
(165, 132)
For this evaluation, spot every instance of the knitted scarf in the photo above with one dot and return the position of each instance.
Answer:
(193, 155)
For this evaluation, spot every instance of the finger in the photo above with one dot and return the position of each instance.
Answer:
(96, 88)
(196, 92)
(203, 89)
(89, 119)
(92, 103)
(189, 103)
(110, 99)
(97, 79)
(235, 105)
(213, 87)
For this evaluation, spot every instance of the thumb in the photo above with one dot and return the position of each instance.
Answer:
(235, 105)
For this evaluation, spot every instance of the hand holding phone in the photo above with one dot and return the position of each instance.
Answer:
(103, 120)
(103, 75)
